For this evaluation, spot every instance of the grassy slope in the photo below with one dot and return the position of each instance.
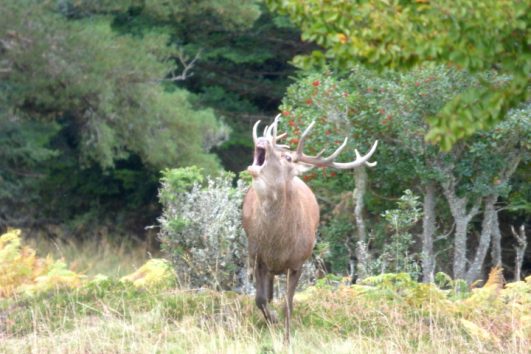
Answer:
(389, 314)
(112, 317)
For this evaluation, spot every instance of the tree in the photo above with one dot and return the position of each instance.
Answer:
(507, 145)
(476, 36)
(90, 100)
(393, 107)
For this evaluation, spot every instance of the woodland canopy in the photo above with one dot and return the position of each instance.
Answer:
(100, 100)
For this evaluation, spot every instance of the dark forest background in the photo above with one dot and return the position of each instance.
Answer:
(98, 97)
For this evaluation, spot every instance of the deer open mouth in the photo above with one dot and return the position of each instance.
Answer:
(259, 156)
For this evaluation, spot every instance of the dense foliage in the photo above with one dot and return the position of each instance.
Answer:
(85, 113)
(98, 97)
(96, 100)
(396, 34)
(393, 108)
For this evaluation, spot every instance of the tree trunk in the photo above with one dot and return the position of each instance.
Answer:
(462, 217)
(428, 230)
(521, 245)
(496, 242)
(490, 229)
(489, 213)
(360, 178)
(459, 266)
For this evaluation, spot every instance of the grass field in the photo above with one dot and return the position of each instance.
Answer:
(387, 314)
(115, 317)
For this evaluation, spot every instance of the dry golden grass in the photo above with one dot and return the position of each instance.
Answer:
(98, 255)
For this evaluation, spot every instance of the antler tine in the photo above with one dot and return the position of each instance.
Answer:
(320, 153)
(274, 126)
(283, 147)
(255, 127)
(272, 134)
(300, 145)
(282, 136)
(358, 156)
(337, 152)
(318, 161)
(266, 131)
(360, 160)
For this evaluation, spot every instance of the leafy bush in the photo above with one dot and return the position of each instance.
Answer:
(201, 228)
(22, 271)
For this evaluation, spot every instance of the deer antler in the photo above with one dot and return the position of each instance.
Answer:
(318, 161)
(270, 133)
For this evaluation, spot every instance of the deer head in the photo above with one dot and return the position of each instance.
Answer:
(274, 163)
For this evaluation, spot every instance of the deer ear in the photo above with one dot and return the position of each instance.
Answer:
(302, 168)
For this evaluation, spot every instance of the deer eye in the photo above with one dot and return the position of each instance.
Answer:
(287, 157)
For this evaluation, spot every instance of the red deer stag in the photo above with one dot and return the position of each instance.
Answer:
(280, 213)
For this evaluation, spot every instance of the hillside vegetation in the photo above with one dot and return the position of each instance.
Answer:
(45, 307)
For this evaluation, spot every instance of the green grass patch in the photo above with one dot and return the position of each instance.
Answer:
(348, 319)
(144, 312)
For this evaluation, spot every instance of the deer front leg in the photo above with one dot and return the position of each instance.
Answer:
(292, 278)
(264, 290)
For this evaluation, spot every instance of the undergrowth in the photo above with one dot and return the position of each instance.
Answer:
(144, 312)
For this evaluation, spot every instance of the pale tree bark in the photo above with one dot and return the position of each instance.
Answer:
(362, 256)
(462, 217)
(496, 242)
(520, 247)
(490, 222)
(428, 231)
(489, 213)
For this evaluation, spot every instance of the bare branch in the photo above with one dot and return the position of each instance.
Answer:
(187, 66)
(445, 236)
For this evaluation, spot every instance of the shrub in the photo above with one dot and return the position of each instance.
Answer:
(201, 228)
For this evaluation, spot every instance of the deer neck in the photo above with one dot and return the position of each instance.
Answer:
(274, 195)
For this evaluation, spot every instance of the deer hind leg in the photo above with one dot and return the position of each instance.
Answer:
(292, 278)
(264, 291)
